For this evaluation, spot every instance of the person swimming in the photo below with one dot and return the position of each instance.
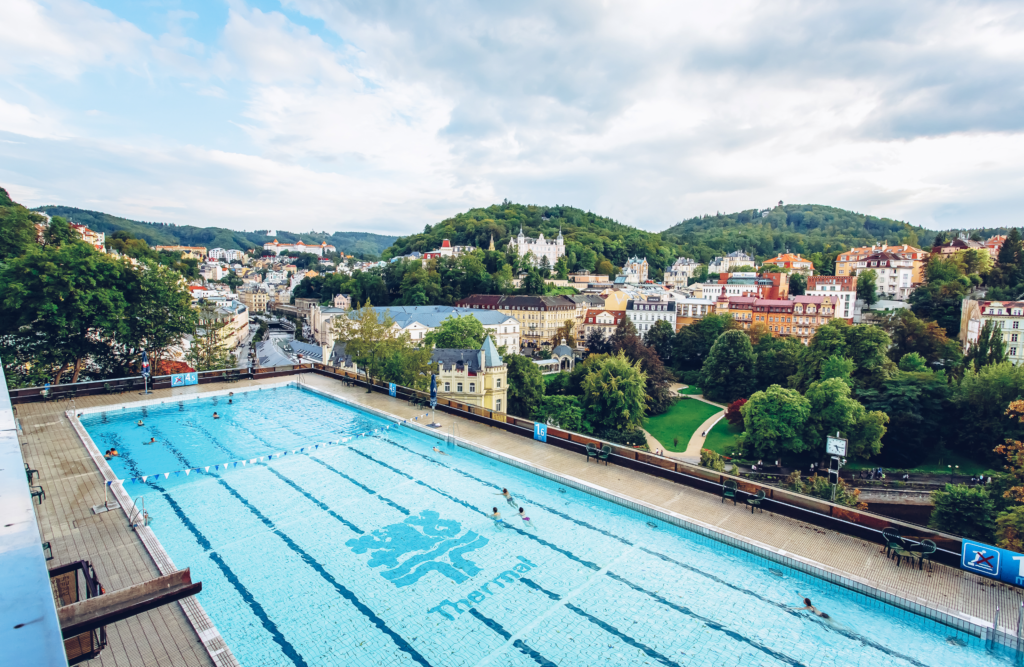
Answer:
(508, 497)
(152, 441)
(495, 515)
(110, 453)
(526, 519)
(440, 452)
(139, 423)
(811, 608)
(229, 401)
(216, 416)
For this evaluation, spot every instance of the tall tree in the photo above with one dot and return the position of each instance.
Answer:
(463, 332)
(597, 342)
(208, 351)
(981, 401)
(909, 333)
(963, 510)
(525, 386)
(776, 360)
(370, 338)
(729, 371)
(834, 410)
(659, 395)
(565, 332)
(773, 421)
(59, 233)
(990, 348)
(661, 337)
(17, 228)
(919, 406)
(797, 284)
(693, 342)
(614, 393)
(867, 287)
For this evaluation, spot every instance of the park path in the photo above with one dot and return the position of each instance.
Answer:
(692, 453)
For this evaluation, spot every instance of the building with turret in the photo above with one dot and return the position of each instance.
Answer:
(538, 248)
(299, 246)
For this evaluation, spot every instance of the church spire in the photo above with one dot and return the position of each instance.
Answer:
(491, 247)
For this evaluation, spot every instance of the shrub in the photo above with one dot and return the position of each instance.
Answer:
(711, 459)
(733, 414)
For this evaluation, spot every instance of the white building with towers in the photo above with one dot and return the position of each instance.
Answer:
(538, 247)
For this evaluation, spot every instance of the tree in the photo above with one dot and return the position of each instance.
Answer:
(463, 332)
(1013, 450)
(982, 400)
(1012, 251)
(733, 414)
(564, 332)
(758, 331)
(605, 268)
(564, 412)
(597, 343)
(828, 341)
(729, 372)
(773, 420)
(208, 351)
(660, 337)
(709, 458)
(867, 287)
(232, 280)
(864, 344)
(533, 283)
(370, 339)
(797, 284)
(776, 360)
(626, 340)
(838, 367)
(963, 510)
(909, 333)
(918, 403)
(990, 348)
(1010, 529)
(545, 267)
(832, 410)
(63, 302)
(977, 260)
(693, 342)
(913, 363)
(562, 268)
(614, 393)
(525, 386)
(17, 228)
(408, 366)
(59, 233)
(941, 302)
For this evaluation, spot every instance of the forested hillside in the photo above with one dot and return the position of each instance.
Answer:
(361, 244)
(589, 238)
(797, 228)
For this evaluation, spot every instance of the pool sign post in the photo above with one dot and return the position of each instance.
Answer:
(145, 372)
(433, 400)
(540, 432)
(992, 562)
(837, 447)
(392, 389)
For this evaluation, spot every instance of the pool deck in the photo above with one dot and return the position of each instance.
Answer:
(164, 636)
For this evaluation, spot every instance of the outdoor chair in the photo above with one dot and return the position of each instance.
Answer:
(591, 452)
(729, 491)
(891, 537)
(29, 472)
(927, 552)
(755, 501)
(37, 492)
(605, 453)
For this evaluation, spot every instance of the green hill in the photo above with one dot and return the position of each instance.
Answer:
(797, 228)
(361, 244)
(589, 238)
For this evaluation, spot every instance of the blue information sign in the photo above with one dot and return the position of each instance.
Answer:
(393, 389)
(191, 378)
(540, 432)
(993, 562)
(178, 380)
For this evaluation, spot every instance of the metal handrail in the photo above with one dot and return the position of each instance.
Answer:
(136, 511)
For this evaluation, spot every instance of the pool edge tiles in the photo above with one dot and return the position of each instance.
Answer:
(216, 647)
(945, 616)
(807, 567)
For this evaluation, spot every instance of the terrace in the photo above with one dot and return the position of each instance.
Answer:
(166, 636)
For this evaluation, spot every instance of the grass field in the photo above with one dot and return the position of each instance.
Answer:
(722, 438)
(691, 391)
(681, 420)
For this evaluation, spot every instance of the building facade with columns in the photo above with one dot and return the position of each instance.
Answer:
(538, 248)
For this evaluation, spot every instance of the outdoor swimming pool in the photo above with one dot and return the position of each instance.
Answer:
(379, 551)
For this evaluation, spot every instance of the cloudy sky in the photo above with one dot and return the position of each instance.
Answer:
(382, 115)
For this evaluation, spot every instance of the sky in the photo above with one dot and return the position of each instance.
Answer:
(387, 115)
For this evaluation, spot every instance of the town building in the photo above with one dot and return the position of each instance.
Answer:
(842, 288)
(894, 275)
(739, 308)
(958, 244)
(187, 251)
(776, 314)
(320, 250)
(473, 377)
(645, 314)
(539, 317)
(766, 286)
(810, 312)
(255, 300)
(448, 250)
(800, 316)
(97, 240)
(235, 315)
(691, 309)
(637, 267)
(1008, 317)
(615, 299)
(731, 262)
(995, 244)
(276, 277)
(601, 320)
(342, 301)
(231, 255)
(418, 321)
(213, 271)
(681, 273)
(538, 248)
(846, 263)
(795, 263)
(588, 278)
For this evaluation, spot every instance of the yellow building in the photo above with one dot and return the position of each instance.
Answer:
(846, 263)
(187, 251)
(539, 317)
(473, 377)
(255, 301)
(615, 300)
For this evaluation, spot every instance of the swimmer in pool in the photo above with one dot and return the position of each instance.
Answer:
(152, 441)
(496, 516)
(139, 423)
(440, 452)
(507, 496)
(216, 416)
(526, 519)
(811, 608)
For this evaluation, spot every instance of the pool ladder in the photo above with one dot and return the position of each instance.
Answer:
(453, 434)
(138, 511)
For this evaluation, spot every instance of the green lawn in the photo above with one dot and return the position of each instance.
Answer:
(681, 420)
(690, 391)
(722, 438)
(936, 463)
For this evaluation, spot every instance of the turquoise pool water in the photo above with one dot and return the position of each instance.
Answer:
(379, 551)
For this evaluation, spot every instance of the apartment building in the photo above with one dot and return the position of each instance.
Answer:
(730, 262)
(681, 273)
(255, 300)
(689, 310)
(894, 276)
(810, 312)
(602, 320)
(187, 251)
(795, 263)
(1008, 317)
(473, 377)
(846, 263)
(842, 288)
(539, 317)
(644, 314)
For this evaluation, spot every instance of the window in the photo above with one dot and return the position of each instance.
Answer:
(1013, 338)
(1013, 352)
(498, 383)
(447, 386)
(1016, 324)
(497, 405)
(472, 387)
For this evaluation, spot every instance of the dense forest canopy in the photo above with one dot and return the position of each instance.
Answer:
(799, 228)
(360, 244)
(589, 238)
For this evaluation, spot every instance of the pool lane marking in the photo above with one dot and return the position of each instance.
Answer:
(257, 609)
(359, 484)
(519, 643)
(551, 610)
(327, 576)
(322, 505)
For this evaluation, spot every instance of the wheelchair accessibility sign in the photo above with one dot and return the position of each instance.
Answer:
(993, 562)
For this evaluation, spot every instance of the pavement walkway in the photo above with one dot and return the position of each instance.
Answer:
(165, 637)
